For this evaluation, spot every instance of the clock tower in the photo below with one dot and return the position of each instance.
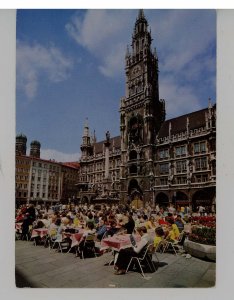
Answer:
(141, 113)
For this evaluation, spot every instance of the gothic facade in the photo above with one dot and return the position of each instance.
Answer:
(152, 160)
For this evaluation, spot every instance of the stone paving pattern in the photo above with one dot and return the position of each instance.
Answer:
(39, 267)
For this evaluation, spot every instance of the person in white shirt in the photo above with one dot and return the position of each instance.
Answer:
(126, 254)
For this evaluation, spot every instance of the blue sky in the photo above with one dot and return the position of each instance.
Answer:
(70, 66)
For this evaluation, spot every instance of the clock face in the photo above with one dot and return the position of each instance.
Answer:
(136, 71)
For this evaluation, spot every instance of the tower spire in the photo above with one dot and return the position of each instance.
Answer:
(86, 146)
(141, 14)
(86, 128)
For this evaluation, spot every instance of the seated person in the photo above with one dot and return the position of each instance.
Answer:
(39, 224)
(169, 217)
(130, 225)
(161, 221)
(19, 217)
(101, 229)
(60, 228)
(68, 222)
(46, 221)
(90, 231)
(159, 236)
(112, 230)
(90, 219)
(173, 231)
(150, 223)
(76, 221)
(126, 254)
(138, 222)
(180, 223)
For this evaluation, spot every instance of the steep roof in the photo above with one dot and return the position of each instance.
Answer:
(196, 120)
(116, 141)
(72, 164)
(178, 124)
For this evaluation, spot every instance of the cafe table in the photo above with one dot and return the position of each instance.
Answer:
(75, 237)
(18, 227)
(118, 242)
(39, 232)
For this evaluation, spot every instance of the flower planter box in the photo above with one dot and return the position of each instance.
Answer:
(200, 250)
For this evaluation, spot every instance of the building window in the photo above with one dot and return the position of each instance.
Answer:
(181, 166)
(163, 153)
(201, 163)
(181, 180)
(164, 168)
(200, 147)
(163, 181)
(132, 155)
(201, 178)
(181, 150)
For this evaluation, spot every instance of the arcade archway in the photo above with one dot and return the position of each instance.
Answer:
(203, 198)
(135, 194)
(162, 199)
(181, 200)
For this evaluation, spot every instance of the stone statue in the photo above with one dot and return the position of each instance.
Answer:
(108, 136)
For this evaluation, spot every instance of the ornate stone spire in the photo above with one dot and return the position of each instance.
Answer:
(141, 14)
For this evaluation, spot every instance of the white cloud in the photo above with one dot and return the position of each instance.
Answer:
(35, 61)
(180, 36)
(59, 156)
(179, 99)
(183, 38)
(105, 34)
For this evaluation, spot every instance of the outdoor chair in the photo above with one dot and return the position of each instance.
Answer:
(62, 244)
(50, 238)
(157, 249)
(87, 246)
(144, 260)
(173, 244)
(57, 238)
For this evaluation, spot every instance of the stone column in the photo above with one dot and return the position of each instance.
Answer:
(107, 155)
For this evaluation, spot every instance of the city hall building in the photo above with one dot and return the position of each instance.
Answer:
(153, 160)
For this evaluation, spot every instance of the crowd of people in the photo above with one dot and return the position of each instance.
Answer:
(166, 223)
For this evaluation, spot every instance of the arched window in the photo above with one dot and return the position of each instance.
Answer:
(137, 46)
(133, 169)
(132, 155)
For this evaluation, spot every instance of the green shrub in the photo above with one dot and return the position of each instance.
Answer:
(203, 235)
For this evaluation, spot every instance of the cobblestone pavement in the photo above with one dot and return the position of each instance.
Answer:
(37, 266)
